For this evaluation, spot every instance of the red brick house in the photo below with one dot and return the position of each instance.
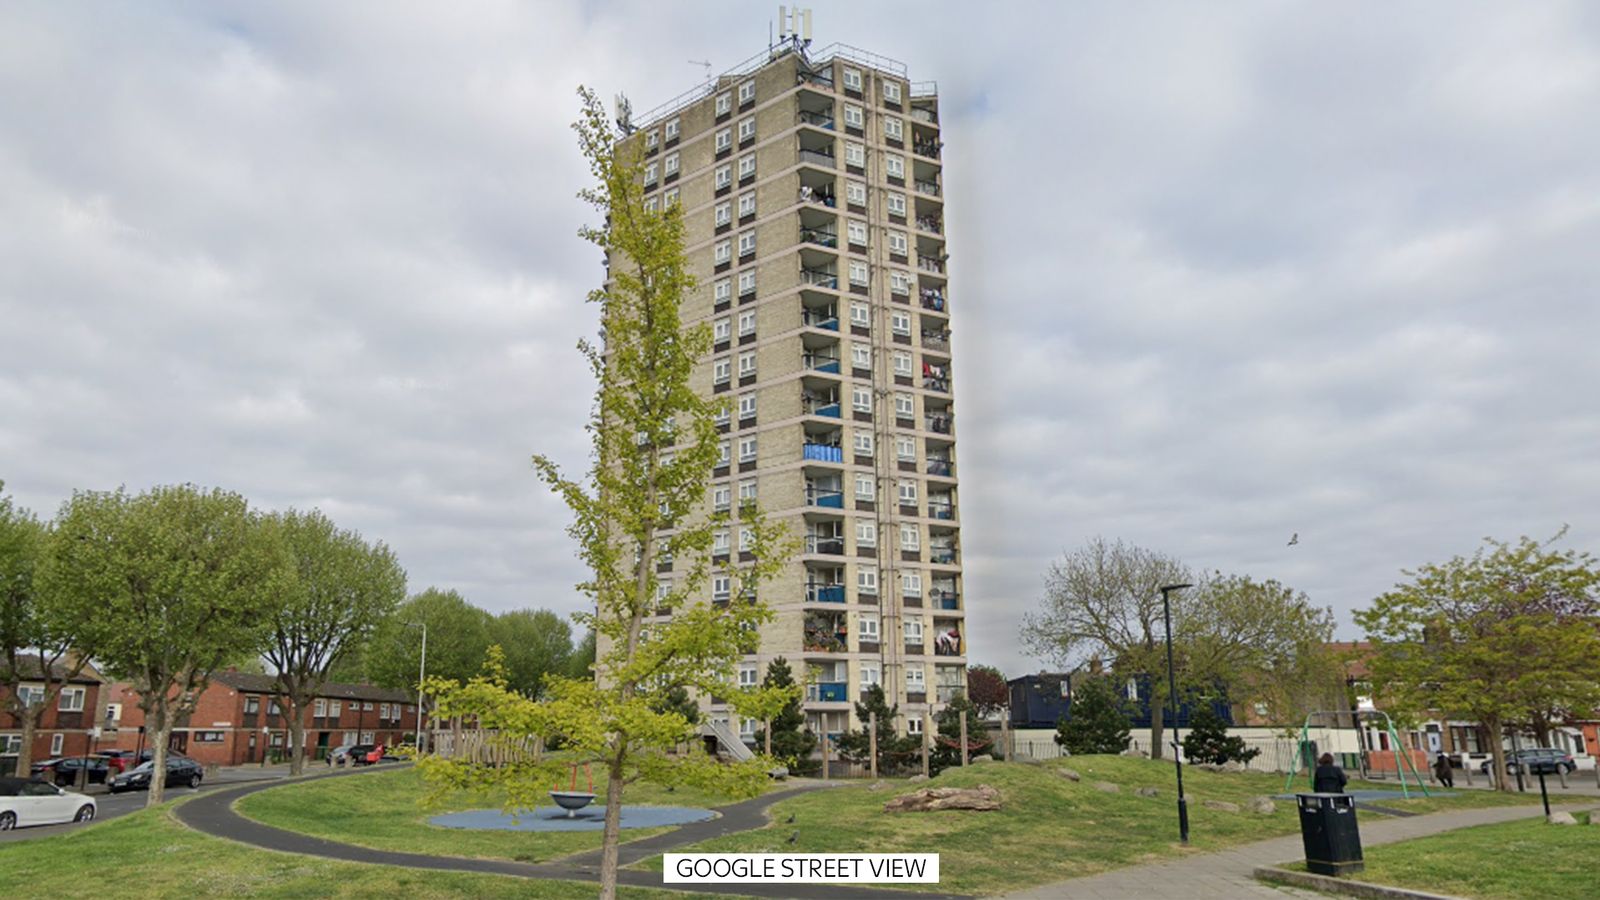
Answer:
(239, 720)
(65, 729)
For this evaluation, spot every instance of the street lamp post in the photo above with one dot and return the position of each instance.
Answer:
(422, 675)
(1172, 691)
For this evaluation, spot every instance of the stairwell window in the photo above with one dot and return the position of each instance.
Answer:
(652, 139)
(747, 129)
(852, 79)
(724, 139)
(747, 367)
(721, 588)
(671, 129)
(723, 450)
(747, 409)
(721, 497)
(747, 243)
(891, 91)
(855, 193)
(894, 165)
(651, 204)
(720, 329)
(866, 534)
(747, 491)
(720, 542)
(721, 291)
(720, 370)
(722, 417)
(747, 166)
(854, 116)
(669, 166)
(651, 174)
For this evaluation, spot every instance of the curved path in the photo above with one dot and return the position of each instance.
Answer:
(213, 814)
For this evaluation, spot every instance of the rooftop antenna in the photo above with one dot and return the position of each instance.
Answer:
(794, 25)
(706, 64)
(624, 113)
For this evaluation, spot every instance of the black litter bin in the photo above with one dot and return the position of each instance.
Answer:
(1328, 827)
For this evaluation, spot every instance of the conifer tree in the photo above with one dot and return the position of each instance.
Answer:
(1097, 720)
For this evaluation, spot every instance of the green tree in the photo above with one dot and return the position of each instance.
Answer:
(1262, 641)
(791, 742)
(38, 645)
(342, 589)
(655, 445)
(894, 750)
(581, 664)
(177, 582)
(987, 689)
(458, 637)
(676, 699)
(1495, 637)
(1097, 720)
(946, 750)
(1208, 740)
(537, 644)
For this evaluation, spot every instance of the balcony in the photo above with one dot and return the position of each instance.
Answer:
(926, 116)
(939, 423)
(931, 188)
(819, 592)
(821, 195)
(928, 264)
(822, 78)
(827, 544)
(941, 467)
(947, 642)
(827, 692)
(821, 278)
(820, 120)
(937, 340)
(821, 238)
(942, 556)
(820, 406)
(827, 633)
(936, 383)
(944, 599)
(930, 223)
(932, 298)
(945, 510)
(929, 149)
(821, 362)
(824, 497)
(817, 158)
(948, 692)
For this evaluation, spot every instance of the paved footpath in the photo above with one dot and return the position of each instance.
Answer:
(1226, 873)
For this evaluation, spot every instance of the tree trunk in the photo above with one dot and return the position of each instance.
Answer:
(1157, 727)
(1497, 747)
(613, 830)
(297, 736)
(159, 715)
(768, 726)
(30, 727)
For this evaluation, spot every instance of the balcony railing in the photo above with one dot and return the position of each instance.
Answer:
(820, 278)
(823, 497)
(936, 340)
(819, 78)
(944, 556)
(941, 467)
(945, 599)
(818, 119)
(817, 592)
(820, 319)
(942, 385)
(924, 115)
(823, 196)
(818, 158)
(929, 223)
(829, 408)
(947, 692)
(929, 149)
(931, 188)
(946, 511)
(824, 637)
(932, 298)
(828, 692)
(822, 452)
(819, 237)
(823, 544)
(818, 362)
(930, 265)
(938, 423)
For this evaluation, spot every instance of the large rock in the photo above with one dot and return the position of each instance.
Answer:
(1220, 805)
(981, 758)
(918, 777)
(1069, 774)
(1562, 818)
(876, 786)
(1148, 792)
(1263, 805)
(982, 797)
(1107, 786)
(1140, 754)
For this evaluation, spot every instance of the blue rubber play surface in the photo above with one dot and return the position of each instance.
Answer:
(554, 819)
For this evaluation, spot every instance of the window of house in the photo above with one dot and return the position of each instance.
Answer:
(334, 708)
(671, 130)
(56, 741)
(663, 591)
(747, 408)
(663, 556)
(916, 681)
(71, 699)
(861, 399)
(856, 232)
(905, 448)
(113, 712)
(319, 708)
(747, 204)
(721, 497)
(913, 723)
(861, 356)
(670, 198)
(747, 243)
(208, 737)
(910, 537)
(855, 155)
(747, 128)
(252, 705)
(861, 315)
(720, 543)
(897, 243)
(865, 489)
(863, 443)
(747, 539)
(722, 290)
(893, 128)
(894, 165)
(652, 138)
(724, 449)
(911, 584)
(854, 117)
(747, 445)
(721, 370)
(724, 176)
(866, 534)
(896, 203)
(891, 91)
(724, 139)
(900, 322)
(724, 102)
(902, 363)
(747, 367)
(652, 172)
(669, 166)
(855, 193)
(748, 676)
(383, 711)
(747, 319)
(10, 744)
(720, 329)
(904, 406)
(31, 694)
(871, 675)
(723, 252)
(869, 627)
(747, 91)
(908, 493)
(747, 165)
(723, 416)
(858, 272)
(723, 214)
(852, 79)
(747, 491)
(721, 590)
(652, 204)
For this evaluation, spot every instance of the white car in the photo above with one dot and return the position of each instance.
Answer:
(26, 802)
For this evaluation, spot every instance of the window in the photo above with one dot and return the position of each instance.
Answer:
(670, 198)
(861, 314)
(10, 744)
(913, 723)
(747, 243)
(893, 128)
(383, 711)
(916, 683)
(724, 102)
(56, 741)
(853, 116)
(720, 329)
(747, 540)
(31, 694)
(747, 445)
(908, 493)
(334, 709)
(911, 584)
(724, 139)
(651, 204)
(71, 699)
(858, 272)
(905, 448)
(724, 176)
(894, 165)
(723, 252)
(723, 214)
(897, 243)
(208, 737)
(855, 193)
(652, 139)
(669, 166)
(721, 497)
(113, 712)
(747, 165)
(871, 675)
(902, 363)
(747, 491)
(252, 705)
(899, 322)
(721, 590)
(274, 710)
(866, 534)
(747, 408)
(864, 487)
(861, 356)
(896, 204)
(722, 418)
(861, 399)
(869, 627)
(748, 677)
(910, 538)
(719, 542)
(664, 591)
(747, 91)
(856, 231)
(854, 155)
(319, 709)
(904, 406)
(747, 204)
(852, 79)
(891, 91)
(747, 319)
(722, 292)
(721, 370)
(723, 451)
(863, 443)
(671, 130)
(747, 129)
(651, 173)
(747, 367)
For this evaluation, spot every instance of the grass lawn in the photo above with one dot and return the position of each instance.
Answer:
(1049, 829)
(148, 854)
(1510, 861)
(383, 810)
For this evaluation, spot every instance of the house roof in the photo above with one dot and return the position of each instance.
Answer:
(1355, 655)
(30, 670)
(267, 684)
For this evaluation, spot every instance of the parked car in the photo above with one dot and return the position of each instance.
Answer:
(119, 761)
(368, 755)
(345, 753)
(1539, 760)
(26, 802)
(181, 771)
(66, 770)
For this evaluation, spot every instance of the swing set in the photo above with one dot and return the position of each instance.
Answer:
(1402, 757)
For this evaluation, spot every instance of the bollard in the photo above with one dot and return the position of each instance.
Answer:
(963, 739)
(1466, 768)
(825, 746)
(872, 742)
(926, 727)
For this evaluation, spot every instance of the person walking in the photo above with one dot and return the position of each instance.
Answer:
(1329, 778)
(1442, 771)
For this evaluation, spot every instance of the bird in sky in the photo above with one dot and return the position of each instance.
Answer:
(1294, 538)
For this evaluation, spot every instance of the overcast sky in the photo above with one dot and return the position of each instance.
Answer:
(1222, 272)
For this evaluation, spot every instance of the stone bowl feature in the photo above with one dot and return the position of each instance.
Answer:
(572, 801)
(547, 819)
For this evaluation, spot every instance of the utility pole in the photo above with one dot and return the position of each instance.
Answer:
(1172, 690)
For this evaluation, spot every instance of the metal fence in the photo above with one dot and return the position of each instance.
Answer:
(1276, 754)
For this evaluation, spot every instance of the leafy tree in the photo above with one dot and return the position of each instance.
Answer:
(1208, 740)
(342, 589)
(893, 750)
(676, 699)
(1097, 720)
(176, 582)
(537, 643)
(458, 638)
(1495, 637)
(580, 664)
(791, 741)
(655, 445)
(1263, 641)
(947, 746)
(987, 689)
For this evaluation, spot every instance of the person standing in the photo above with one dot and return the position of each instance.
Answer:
(1441, 771)
(1329, 778)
